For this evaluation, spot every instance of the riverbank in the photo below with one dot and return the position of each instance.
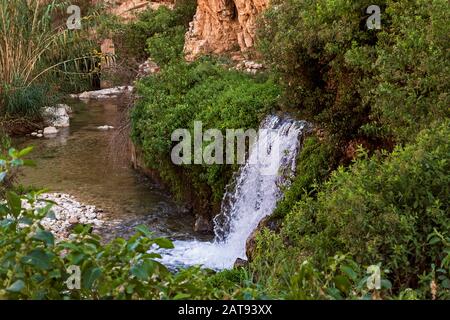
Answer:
(67, 212)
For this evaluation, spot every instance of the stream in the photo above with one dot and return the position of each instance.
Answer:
(80, 162)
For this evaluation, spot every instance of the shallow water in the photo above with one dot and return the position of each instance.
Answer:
(79, 162)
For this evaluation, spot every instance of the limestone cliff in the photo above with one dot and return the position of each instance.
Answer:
(223, 26)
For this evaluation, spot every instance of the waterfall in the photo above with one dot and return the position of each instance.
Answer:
(253, 195)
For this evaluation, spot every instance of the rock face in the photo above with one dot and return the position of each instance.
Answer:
(127, 9)
(223, 26)
(57, 116)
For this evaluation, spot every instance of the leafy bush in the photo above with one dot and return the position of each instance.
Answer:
(202, 91)
(131, 38)
(35, 265)
(386, 84)
(314, 164)
(389, 209)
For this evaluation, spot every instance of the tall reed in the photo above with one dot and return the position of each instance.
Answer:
(32, 45)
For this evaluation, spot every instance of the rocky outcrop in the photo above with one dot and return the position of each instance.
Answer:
(221, 26)
(127, 9)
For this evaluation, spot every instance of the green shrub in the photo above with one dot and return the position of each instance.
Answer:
(390, 209)
(202, 91)
(36, 265)
(131, 38)
(386, 84)
(167, 46)
(314, 164)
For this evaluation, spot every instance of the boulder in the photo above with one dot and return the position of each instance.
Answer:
(240, 263)
(57, 116)
(109, 93)
(221, 26)
(50, 131)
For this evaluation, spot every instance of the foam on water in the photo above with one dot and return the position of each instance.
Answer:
(252, 196)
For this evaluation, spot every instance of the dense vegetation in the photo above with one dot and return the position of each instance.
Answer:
(345, 213)
(378, 88)
(186, 92)
(40, 57)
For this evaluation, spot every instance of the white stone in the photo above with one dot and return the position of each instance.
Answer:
(50, 131)
(105, 128)
(104, 93)
(56, 116)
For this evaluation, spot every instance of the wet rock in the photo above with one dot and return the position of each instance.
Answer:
(250, 246)
(109, 93)
(202, 225)
(39, 135)
(67, 213)
(240, 263)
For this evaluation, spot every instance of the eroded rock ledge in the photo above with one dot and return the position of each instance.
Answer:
(221, 26)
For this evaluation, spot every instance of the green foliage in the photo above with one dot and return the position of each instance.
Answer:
(201, 91)
(27, 101)
(36, 265)
(36, 53)
(314, 165)
(131, 38)
(390, 209)
(167, 46)
(384, 84)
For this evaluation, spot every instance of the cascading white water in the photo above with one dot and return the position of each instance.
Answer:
(253, 196)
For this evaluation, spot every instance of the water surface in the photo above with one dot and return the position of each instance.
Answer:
(80, 161)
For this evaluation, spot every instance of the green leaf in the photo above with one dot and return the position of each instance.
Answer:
(144, 269)
(39, 259)
(182, 296)
(90, 276)
(29, 163)
(164, 243)
(24, 152)
(45, 236)
(144, 230)
(386, 284)
(342, 283)
(16, 287)
(349, 271)
(14, 202)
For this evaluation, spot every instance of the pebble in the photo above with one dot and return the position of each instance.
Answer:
(67, 213)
